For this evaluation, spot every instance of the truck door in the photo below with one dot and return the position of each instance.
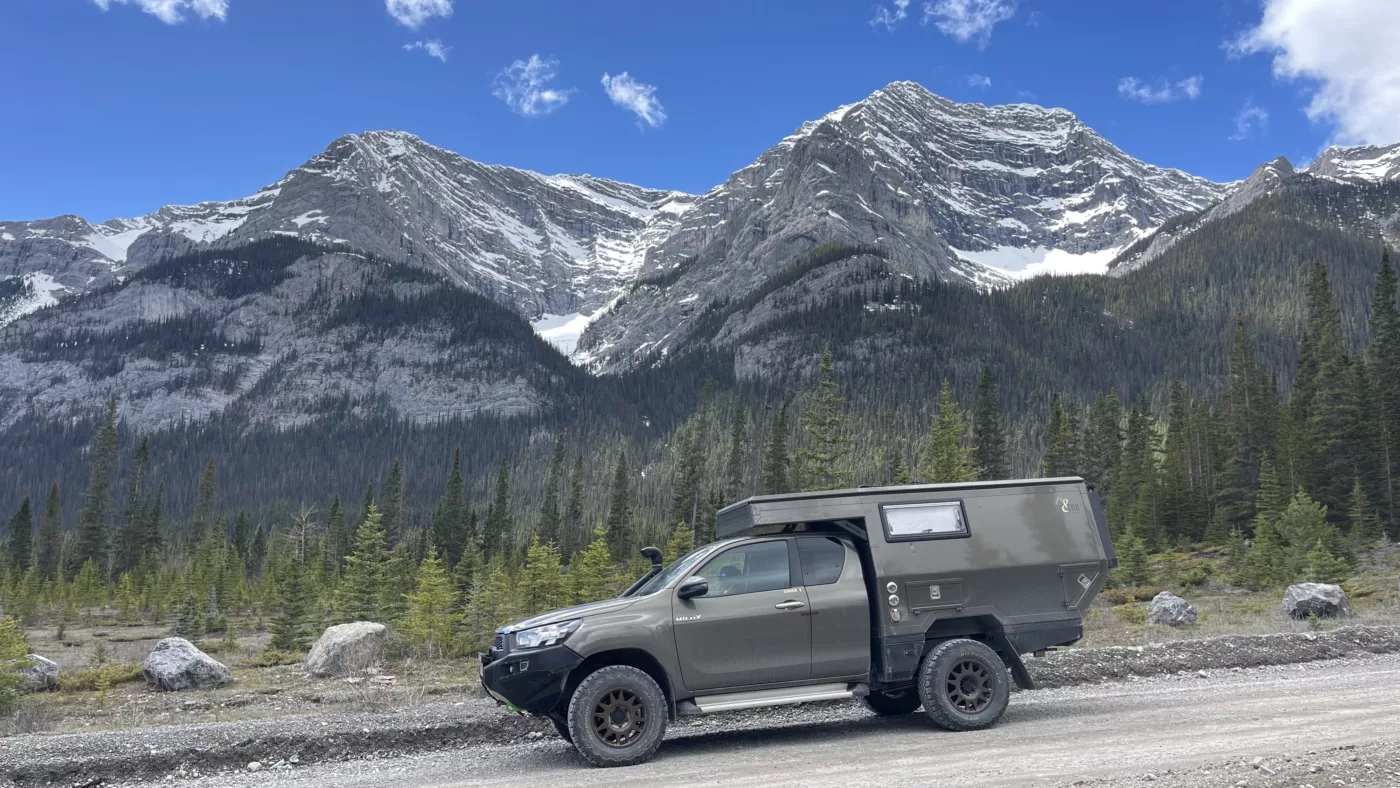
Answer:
(751, 627)
(840, 607)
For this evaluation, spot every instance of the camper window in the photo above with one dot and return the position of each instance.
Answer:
(937, 520)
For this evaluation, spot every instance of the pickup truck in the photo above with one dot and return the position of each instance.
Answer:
(902, 597)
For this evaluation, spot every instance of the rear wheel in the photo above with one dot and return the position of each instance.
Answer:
(891, 703)
(964, 685)
(617, 716)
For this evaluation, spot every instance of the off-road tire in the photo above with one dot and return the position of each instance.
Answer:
(561, 726)
(964, 685)
(894, 702)
(636, 696)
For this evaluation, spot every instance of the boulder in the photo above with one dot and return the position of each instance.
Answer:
(176, 664)
(1170, 610)
(1323, 600)
(346, 649)
(40, 675)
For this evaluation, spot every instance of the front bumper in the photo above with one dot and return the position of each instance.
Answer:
(532, 680)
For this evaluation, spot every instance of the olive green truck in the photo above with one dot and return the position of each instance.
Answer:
(902, 597)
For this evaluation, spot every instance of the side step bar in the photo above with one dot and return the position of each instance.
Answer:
(786, 696)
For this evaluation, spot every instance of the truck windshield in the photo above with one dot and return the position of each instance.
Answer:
(678, 569)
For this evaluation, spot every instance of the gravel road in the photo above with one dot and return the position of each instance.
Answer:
(1317, 724)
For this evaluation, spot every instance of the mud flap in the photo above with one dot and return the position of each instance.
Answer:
(1013, 663)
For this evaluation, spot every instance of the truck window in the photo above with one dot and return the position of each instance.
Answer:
(748, 569)
(937, 520)
(822, 560)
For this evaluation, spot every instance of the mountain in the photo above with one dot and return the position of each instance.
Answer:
(540, 245)
(959, 192)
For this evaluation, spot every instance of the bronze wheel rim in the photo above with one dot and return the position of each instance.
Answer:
(969, 686)
(619, 718)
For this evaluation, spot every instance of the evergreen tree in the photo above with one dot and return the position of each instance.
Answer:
(988, 432)
(679, 545)
(1273, 496)
(899, 472)
(129, 548)
(449, 521)
(152, 543)
(735, 485)
(432, 618)
(497, 535)
(619, 524)
(1103, 442)
(21, 546)
(1323, 567)
(685, 498)
(543, 586)
(1179, 517)
(92, 541)
(1385, 363)
(396, 505)
(14, 656)
(206, 497)
(549, 529)
(362, 594)
(572, 527)
(494, 602)
(591, 572)
(1247, 403)
(1134, 569)
(368, 502)
(825, 459)
(241, 535)
(945, 458)
(257, 554)
(1266, 564)
(48, 551)
(189, 623)
(1366, 527)
(775, 455)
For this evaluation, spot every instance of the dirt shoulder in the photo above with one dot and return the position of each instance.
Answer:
(429, 724)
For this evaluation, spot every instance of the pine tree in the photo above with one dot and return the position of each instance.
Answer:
(1103, 442)
(619, 523)
(494, 602)
(775, 455)
(130, 549)
(21, 546)
(678, 545)
(899, 472)
(241, 535)
(1366, 527)
(1134, 569)
(395, 495)
(361, 596)
(945, 458)
(988, 432)
(549, 529)
(543, 586)
(685, 496)
(825, 460)
(1248, 404)
(14, 656)
(591, 572)
(1265, 565)
(497, 534)
(206, 497)
(189, 623)
(735, 485)
(571, 529)
(449, 522)
(432, 618)
(257, 554)
(1323, 567)
(1179, 518)
(292, 616)
(1385, 362)
(152, 543)
(1273, 496)
(49, 549)
(93, 541)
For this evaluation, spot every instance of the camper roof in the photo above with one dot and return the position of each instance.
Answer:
(825, 505)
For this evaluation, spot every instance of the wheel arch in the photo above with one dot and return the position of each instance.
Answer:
(640, 659)
(986, 629)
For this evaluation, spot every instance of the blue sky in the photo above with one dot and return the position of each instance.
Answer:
(116, 111)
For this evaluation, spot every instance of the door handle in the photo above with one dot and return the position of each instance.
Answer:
(791, 604)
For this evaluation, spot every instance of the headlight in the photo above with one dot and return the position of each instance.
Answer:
(547, 635)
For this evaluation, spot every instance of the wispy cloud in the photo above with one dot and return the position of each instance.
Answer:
(1249, 121)
(969, 20)
(889, 18)
(413, 13)
(434, 48)
(636, 97)
(979, 81)
(173, 11)
(1346, 52)
(1161, 91)
(523, 86)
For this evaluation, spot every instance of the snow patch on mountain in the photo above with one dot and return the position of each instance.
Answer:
(1024, 263)
(41, 291)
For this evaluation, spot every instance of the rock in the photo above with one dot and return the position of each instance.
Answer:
(176, 664)
(254, 766)
(1316, 599)
(346, 649)
(41, 675)
(1170, 610)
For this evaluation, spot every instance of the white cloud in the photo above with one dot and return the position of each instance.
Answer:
(173, 11)
(413, 13)
(979, 81)
(1251, 119)
(434, 48)
(1161, 91)
(522, 86)
(636, 97)
(967, 20)
(1347, 49)
(884, 16)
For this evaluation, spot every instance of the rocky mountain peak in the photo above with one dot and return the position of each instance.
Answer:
(1358, 164)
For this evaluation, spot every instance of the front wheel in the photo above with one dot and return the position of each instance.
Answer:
(891, 703)
(964, 685)
(617, 716)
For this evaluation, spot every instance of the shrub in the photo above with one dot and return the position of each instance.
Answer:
(96, 679)
(1131, 614)
(1122, 596)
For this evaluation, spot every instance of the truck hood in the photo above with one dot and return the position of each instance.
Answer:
(578, 611)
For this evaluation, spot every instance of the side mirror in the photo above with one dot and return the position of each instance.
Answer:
(692, 587)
